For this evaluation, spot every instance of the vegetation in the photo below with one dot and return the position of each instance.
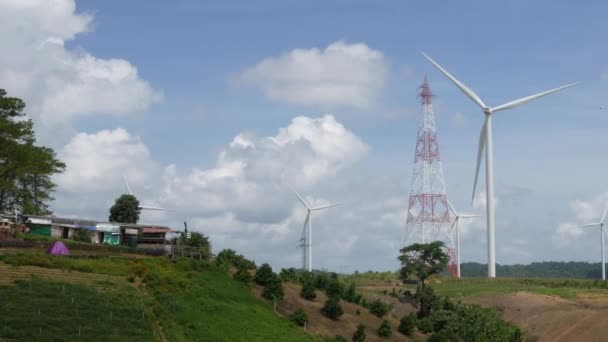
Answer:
(422, 260)
(308, 291)
(243, 275)
(385, 329)
(289, 274)
(407, 324)
(359, 335)
(25, 169)
(547, 269)
(334, 289)
(299, 317)
(378, 308)
(264, 275)
(350, 294)
(125, 210)
(197, 240)
(332, 309)
(274, 289)
(82, 235)
(227, 257)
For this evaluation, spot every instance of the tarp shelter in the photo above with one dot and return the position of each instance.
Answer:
(58, 248)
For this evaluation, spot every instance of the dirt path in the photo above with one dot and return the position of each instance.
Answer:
(550, 318)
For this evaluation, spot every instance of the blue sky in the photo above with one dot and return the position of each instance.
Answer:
(195, 80)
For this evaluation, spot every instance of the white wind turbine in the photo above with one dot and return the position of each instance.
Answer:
(485, 141)
(306, 239)
(142, 207)
(602, 232)
(457, 217)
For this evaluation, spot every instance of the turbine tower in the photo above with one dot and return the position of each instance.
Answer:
(306, 239)
(457, 217)
(485, 141)
(428, 214)
(600, 225)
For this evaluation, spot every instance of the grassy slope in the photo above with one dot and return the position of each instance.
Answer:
(190, 300)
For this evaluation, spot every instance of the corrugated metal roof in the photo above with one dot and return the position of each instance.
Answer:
(156, 229)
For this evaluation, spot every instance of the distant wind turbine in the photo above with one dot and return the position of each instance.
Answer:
(457, 217)
(142, 207)
(602, 232)
(485, 140)
(306, 239)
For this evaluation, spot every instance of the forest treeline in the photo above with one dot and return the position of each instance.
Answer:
(547, 269)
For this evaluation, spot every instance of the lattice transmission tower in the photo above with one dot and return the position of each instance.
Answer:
(428, 213)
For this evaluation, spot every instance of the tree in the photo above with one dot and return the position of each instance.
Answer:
(359, 335)
(385, 329)
(25, 169)
(264, 275)
(379, 309)
(274, 289)
(242, 274)
(350, 294)
(308, 291)
(299, 317)
(197, 240)
(407, 324)
(334, 289)
(332, 309)
(125, 210)
(422, 260)
(82, 235)
(289, 274)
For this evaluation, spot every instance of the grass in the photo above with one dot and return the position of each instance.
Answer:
(42, 310)
(191, 300)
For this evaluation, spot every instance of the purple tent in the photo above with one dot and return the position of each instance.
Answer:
(58, 248)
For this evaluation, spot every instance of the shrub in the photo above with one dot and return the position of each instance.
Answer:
(385, 329)
(322, 281)
(340, 338)
(264, 275)
(308, 291)
(425, 325)
(407, 324)
(334, 289)
(299, 317)
(82, 235)
(440, 318)
(274, 289)
(350, 294)
(378, 308)
(359, 335)
(289, 274)
(358, 312)
(332, 309)
(243, 275)
(427, 300)
(472, 322)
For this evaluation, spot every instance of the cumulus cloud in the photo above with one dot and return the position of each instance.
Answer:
(586, 212)
(60, 84)
(342, 74)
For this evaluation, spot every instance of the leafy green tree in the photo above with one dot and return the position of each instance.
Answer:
(82, 235)
(427, 301)
(422, 260)
(308, 291)
(332, 309)
(350, 294)
(25, 169)
(322, 281)
(335, 289)
(299, 317)
(264, 275)
(378, 308)
(289, 274)
(385, 329)
(273, 290)
(197, 240)
(359, 335)
(125, 209)
(243, 275)
(407, 324)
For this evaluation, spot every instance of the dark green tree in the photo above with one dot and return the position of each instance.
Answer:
(299, 317)
(197, 240)
(264, 275)
(289, 274)
(385, 329)
(335, 289)
(359, 335)
(243, 275)
(407, 324)
(25, 169)
(308, 291)
(378, 308)
(273, 290)
(332, 309)
(422, 260)
(82, 235)
(125, 210)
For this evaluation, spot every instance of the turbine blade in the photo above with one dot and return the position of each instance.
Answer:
(604, 214)
(468, 92)
(468, 216)
(482, 145)
(453, 224)
(127, 184)
(325, 206)
(145, 207)
(300, 197)
(452, 208)
(591, 225)
(526, 99)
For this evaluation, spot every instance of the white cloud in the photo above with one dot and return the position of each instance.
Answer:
(57, 83)
(585, 212)
(480, 200)
(343, 74)
(96, 162)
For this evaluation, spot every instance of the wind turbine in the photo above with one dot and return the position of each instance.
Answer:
(142, 207)
(306, 239)
(485, 140)
(602, 232)
(457, 217)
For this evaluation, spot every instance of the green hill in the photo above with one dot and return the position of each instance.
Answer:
(145, 299)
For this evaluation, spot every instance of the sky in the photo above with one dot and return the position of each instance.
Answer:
(209, 108)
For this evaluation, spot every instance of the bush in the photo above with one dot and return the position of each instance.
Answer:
(425, 325)
(440, 318)
(82, 235)
(334, 289)
(243, 275)
(350, 294)
(472, 322)
(427, 300)
(407, 324)
(308, 291)
(332, 309)
(264, 275)
(289, 274)
(378, 308)
(385, 329)
(322, 281)
(340, 338)
(359, 335)
(274, 289)
(299, 317)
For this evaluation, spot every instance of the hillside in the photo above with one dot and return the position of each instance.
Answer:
(144, 299)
